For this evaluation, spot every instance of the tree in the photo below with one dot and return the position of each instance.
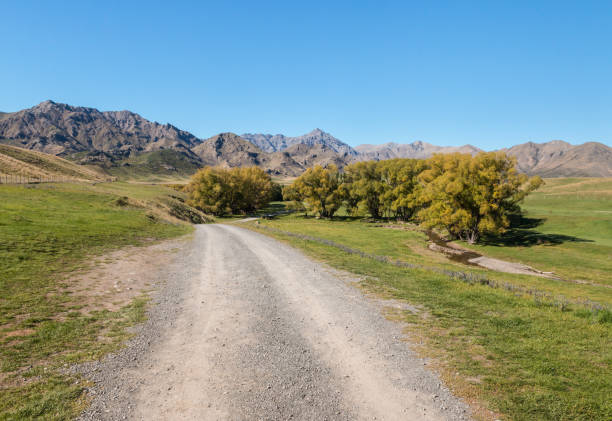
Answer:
(318, 189)
(363, 186)
(223, 191)
(469, 196)
(294, 199)
(401, 197)
(253, 189)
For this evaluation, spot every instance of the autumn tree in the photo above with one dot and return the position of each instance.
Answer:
(469, 196)
(400, 199)
(223, 191)
(362, 186)
(293, 198)
(318, 189)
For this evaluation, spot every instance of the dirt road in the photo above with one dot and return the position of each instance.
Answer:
(247, 328)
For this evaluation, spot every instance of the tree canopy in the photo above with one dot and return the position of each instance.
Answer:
(222, 191)
(463, 194)
(318, 190)
(469, 196)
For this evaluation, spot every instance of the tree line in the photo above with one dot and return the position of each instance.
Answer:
(463, 194)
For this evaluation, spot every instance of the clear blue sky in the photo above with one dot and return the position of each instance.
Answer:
(489, 73)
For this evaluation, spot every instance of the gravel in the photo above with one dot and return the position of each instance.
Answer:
(245, 327)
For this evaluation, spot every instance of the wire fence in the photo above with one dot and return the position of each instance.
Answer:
(25, 179)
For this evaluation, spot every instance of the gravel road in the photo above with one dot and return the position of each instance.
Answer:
(244, 327)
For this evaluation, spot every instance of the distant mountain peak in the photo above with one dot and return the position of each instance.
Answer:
(279, 142)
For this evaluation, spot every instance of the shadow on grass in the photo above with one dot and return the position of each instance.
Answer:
(522, 234)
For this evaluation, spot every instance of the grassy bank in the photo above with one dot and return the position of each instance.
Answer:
(46, 231)
(511, 353)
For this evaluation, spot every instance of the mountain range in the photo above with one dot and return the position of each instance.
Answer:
(115, 139)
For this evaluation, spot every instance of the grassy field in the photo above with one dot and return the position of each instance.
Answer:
(46, 231)
(568, 230)
(517, 347)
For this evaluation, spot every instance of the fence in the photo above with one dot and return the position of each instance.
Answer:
(24, 179)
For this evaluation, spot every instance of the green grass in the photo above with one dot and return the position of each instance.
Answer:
(46, 231)
(163, 165)
(515, 355)
(568, 231)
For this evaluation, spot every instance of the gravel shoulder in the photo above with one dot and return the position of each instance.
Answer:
(245, 327)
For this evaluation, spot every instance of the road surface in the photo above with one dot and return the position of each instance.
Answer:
(248, 328)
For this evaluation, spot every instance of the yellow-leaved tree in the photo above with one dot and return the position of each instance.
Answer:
(362, 186)
(469, 196)
(318, 189)
(223, 191)
(401, 198)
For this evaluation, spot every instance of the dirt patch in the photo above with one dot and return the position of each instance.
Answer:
(468, 257)
(18, 333)
(117, 278)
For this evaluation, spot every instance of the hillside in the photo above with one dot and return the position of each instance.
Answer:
(33, 164)
(62, 129)
(561, 159)
(164, 164)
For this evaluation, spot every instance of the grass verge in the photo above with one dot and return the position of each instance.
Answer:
(46, 231)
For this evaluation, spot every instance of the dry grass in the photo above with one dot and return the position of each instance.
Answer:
(21, 162)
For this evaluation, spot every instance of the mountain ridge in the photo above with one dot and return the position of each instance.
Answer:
(280, 142)
(112, 138)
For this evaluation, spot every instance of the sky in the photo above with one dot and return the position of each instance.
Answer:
(488, 73)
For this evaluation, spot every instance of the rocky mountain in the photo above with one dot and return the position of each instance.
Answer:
(231, 150)
(64, 130)
(126, 143)
(561, 159)
(307, 156)
(279, 142)
(228, 150)
(410, 150)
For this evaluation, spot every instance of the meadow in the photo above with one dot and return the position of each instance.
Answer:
(567, 230)
(515, 346)
(47, 231)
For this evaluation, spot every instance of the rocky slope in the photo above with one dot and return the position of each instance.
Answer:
(561, 159)
(279, 142)
(231, 150)
(64, 130)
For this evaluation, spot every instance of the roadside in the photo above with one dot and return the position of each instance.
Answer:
(56, 307)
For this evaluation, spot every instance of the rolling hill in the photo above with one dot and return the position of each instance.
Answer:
(16, 161)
